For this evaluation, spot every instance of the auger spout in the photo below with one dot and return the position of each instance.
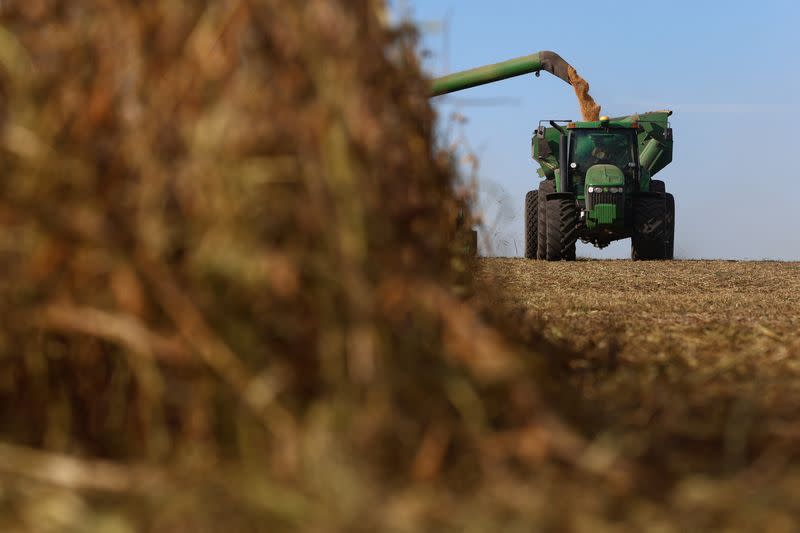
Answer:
(534, 63)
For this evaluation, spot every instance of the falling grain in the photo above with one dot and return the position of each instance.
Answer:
(590, 110)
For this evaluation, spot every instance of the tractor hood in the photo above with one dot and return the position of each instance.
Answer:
(605, 198)
(604, 176)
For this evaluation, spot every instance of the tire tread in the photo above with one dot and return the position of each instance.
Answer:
(545, 188)
(561, 229)
(531, 224)
(649, 234)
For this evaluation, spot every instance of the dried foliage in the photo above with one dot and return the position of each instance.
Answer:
(688, 370)
(231, 273)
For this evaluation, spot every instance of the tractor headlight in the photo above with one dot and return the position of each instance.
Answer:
(591, 189)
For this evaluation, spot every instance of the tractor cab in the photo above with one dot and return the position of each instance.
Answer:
(590, 147)
(627, 151)
(603, 170)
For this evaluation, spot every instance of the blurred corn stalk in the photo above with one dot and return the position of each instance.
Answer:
(227, 274)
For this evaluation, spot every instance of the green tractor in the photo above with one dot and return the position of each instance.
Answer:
(597, 181)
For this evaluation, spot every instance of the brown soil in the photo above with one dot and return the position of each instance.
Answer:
(590, 110)
(686, 371)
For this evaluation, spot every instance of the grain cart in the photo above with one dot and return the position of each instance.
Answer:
(597, 181)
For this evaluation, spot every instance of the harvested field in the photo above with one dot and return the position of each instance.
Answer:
(698, 309)
(688, 370)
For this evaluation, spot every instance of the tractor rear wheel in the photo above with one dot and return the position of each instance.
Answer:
(531, 223)
(561, 229)
(670, 226)
(545, 188)
(649, 228)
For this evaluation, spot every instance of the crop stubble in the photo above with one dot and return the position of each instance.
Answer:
(693, 363)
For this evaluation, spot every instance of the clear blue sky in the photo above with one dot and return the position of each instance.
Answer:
(729, 70)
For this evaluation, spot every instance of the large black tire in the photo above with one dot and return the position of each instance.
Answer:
(658, 186)
(545, 188)
(670, 227)
(531, 223)
(649, 228)
(561, 229)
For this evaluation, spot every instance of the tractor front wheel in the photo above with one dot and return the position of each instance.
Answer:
(650, 228)
(545, 188)
(562, 216)
(670, 223)
(531, 224)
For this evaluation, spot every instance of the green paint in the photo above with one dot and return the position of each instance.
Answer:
(605, 175)
(545, 60)
(488, 74)
(604, 213)
(618, 152)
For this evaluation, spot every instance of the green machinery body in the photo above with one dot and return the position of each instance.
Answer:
(606, 186)
(605, 168)
(532, 64)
